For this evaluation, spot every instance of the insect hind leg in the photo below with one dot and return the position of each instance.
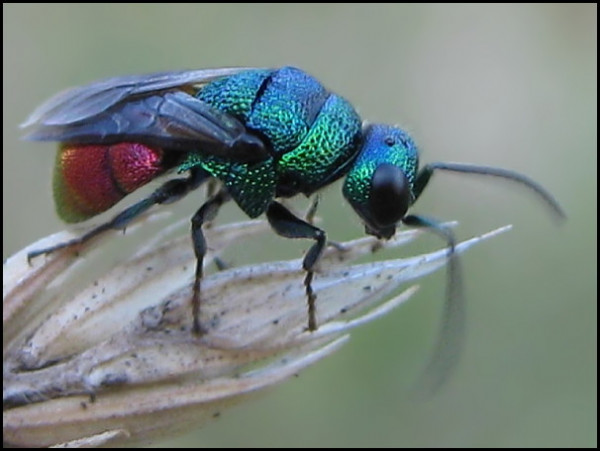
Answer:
(171, 191)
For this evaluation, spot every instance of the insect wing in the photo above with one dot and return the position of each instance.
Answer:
(156, 109)
(84, 102)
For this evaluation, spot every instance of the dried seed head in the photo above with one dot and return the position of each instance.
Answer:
(116, 362)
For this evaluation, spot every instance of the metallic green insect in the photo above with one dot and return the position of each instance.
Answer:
(264, 133)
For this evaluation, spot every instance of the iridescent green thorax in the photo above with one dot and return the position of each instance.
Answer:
(281, 104)
(327, 149)
(251, 186)
(235, 95)
(312, 133)
(287, 107)
(382, 144)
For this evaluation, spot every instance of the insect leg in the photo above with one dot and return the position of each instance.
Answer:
(284, 223)
(309, 216)
(450, 339)
(167, 193)
(206, 212)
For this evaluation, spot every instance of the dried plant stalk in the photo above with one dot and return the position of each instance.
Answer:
(116, 362)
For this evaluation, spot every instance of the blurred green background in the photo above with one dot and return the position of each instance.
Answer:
(510, 86)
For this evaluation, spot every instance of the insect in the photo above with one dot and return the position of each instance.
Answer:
(264, 134)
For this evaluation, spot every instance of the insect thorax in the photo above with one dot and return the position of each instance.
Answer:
(313, 135)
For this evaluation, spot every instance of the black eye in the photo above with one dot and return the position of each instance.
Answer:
(389, 141)
(390, 196)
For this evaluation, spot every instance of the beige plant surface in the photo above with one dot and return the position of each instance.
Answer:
(116, 363)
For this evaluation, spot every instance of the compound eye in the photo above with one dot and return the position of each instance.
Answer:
(390, 196)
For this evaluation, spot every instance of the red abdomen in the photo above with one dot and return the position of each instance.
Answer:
(89, 179)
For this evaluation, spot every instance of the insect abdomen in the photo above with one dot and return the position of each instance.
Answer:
(89, 179)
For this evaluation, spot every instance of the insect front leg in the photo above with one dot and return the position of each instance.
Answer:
(284, 223)
(169, 192)
(205, 213)
(450, 340)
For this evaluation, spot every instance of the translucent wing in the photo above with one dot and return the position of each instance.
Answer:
(156, 109)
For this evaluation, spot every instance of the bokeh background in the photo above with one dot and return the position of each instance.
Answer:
(510, 86)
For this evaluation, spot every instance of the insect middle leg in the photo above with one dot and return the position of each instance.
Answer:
(169, 192)
(207, 212)
(284, 223)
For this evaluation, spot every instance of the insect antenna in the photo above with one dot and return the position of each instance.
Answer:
(426, 173)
